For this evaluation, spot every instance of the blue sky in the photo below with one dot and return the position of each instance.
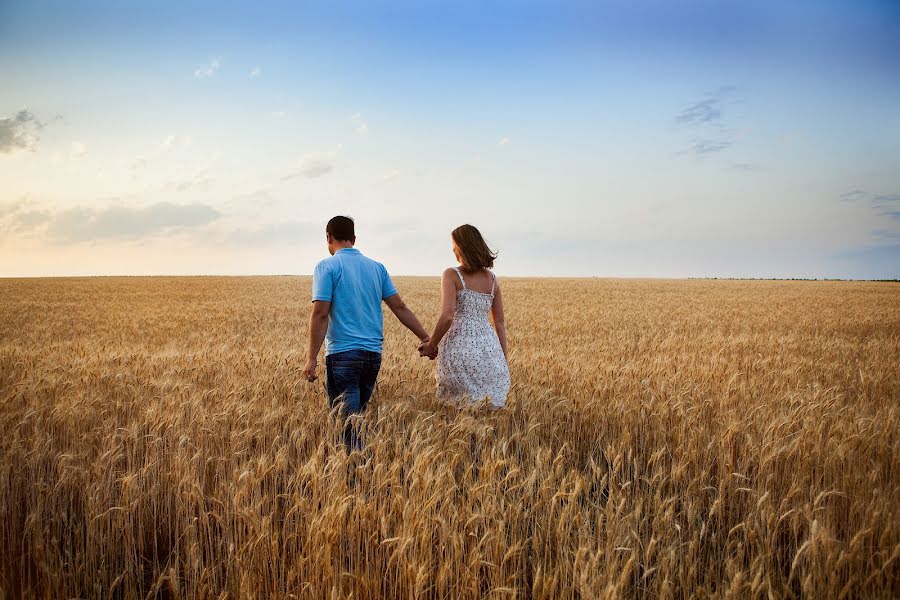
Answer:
(606, 138)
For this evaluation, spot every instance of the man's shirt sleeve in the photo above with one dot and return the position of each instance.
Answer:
(322, 283)
(387, 286)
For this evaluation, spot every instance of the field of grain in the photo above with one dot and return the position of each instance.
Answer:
(663, 439)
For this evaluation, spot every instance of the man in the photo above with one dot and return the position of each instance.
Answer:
(347, 292)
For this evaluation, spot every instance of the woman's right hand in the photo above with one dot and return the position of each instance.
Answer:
(426, 349)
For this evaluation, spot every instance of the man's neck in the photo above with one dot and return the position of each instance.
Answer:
(342, 246)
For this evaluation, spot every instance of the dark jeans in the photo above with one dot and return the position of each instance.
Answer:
(351, 374)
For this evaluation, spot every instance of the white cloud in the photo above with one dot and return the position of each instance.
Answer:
(255, 72)
(207, 71)
(279, 114)
(135, 166)
(256, 197)
(362, 127)
(503, 141)
(117, 220)
(391, 175)
(22, 216)
(200, 180)
(314, 164)
(19, 132)
(285, 233)
(77, 149)
(174, 141)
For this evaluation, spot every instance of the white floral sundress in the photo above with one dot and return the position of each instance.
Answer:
(470, 362)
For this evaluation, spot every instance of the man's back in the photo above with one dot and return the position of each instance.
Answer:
(355, 285)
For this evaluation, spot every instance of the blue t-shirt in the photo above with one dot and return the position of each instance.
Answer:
(355, 285)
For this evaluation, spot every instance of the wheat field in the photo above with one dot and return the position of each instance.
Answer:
(663, 439)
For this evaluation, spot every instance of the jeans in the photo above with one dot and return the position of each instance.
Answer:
(351, 375)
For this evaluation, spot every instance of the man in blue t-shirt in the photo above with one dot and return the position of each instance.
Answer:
(347, 291)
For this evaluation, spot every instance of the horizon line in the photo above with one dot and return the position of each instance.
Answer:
(629, 277)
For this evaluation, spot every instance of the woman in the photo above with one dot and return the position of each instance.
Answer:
(471, 356)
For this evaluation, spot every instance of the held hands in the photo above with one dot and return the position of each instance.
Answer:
(426, 349)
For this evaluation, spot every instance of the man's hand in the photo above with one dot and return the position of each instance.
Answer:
(425, 349)
(318, 327)
(309, 371)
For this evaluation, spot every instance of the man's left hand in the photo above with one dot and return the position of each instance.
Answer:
(309, 372)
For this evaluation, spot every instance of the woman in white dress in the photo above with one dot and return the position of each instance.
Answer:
(471, 355)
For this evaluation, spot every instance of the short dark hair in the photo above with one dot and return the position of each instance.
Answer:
(341, 229)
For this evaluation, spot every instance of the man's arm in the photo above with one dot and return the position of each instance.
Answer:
(318, 326)
(406, 316)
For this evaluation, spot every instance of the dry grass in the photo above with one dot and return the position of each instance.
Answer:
(663, 439)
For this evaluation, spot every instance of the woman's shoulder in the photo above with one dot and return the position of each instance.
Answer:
(452, 275)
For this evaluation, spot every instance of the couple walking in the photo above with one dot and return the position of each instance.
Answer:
(347, 291)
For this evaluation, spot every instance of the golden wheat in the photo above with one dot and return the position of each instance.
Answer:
(663, 439)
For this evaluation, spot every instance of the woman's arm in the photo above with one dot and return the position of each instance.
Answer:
(498, 317)
(448, 309)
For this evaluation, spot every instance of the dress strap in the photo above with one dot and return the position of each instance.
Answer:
(461, 280)
(493, 282)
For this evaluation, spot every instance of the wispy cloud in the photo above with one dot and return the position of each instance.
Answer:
(705, 111)
(285, 233)
(208, 70)
(200, 180)
(705, 119)
(115, 221)
(135, 166)
(853, 195)
(10, 208)
(886, 200)
(314, 165)
(701, 147)
(30, 219)
(362, 127)
(77, 149)
(746, 167)
(503, 141)
(19, 132)
(886, 234)
(175, 141)
(886, 206)
(255, 72)
(879, 202)
(709, 109)
(261, 196)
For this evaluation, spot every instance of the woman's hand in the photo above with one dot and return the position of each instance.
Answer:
(426, 349)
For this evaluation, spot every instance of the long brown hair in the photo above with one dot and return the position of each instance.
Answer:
(473, 250)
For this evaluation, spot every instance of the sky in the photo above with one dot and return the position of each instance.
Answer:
(606, 138)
